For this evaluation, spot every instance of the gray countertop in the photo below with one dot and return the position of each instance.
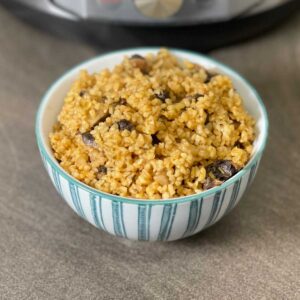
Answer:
(47, 252)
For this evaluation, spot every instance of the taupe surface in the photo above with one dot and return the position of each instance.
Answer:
(47, 252)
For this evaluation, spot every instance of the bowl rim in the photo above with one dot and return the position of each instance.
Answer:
(51, 160)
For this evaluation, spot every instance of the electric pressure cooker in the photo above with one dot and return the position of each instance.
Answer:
(197, 24)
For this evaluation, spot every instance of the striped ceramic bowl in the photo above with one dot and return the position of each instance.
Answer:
(149, 220)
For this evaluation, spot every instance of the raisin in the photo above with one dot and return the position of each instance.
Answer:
(122, 101)
(221, 169)
(209, 76)
(138, 61)
(239, 145)
(197, 95)
(125, 125)
(155, 139)
(102, 169)
(88, 139)
(82, 93)
(210, 183)
(236, 124)
(207, 117)
(162, 95)
(135, 56)
(103, 118)
(159, 156)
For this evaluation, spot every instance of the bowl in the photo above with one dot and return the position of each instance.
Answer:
(144, 219)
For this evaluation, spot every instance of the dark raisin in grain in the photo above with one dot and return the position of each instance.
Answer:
(137, 56)
(88, 139)
(82, 93)
(221, 169)
(209, 76)
(207, 117)
(138, 61)
(102, 169)
(155, 139)
(133, 180)
(159, 156)
(211, 183)
(239, 145)
(103, 118)
(197, 95)
(162, 95)
(125, 125)
(236, 124)
(164, 118)
(134, 156)
(122, 101)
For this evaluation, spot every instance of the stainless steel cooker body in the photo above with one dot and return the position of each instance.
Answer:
(153, 12)
(196, 24)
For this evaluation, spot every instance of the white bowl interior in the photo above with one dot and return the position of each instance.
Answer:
(54, 98)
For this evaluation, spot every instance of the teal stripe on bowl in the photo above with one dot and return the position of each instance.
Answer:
(164, 221)
(213, 209)
(75, 199)
(143, 225)
(54, 175)
(194, 217)
(122, 219)
(199, 211)
(234, 193)
(100, 211)
(236, 198)
(220, 206)
(149, 221)
(59, 182)
(251, 174)
(79, 201)
(255, 167)
(93, 205)
(167, 220)
(118, 221)
(54, 179)
(171, 222)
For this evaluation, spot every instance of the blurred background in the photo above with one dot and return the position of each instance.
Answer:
(47, 252)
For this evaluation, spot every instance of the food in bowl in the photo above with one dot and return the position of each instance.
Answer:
(148, 219)
(153, 127)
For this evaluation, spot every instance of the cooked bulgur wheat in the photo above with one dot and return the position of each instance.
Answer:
(153, 127)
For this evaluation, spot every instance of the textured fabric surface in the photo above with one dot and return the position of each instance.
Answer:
(47, 252)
